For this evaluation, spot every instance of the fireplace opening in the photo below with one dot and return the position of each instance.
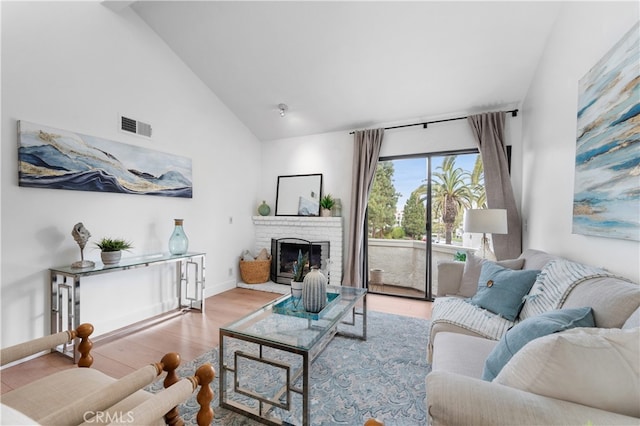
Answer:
(285, 253)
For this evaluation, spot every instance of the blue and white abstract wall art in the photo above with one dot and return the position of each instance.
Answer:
(606, 201)
(59, 159)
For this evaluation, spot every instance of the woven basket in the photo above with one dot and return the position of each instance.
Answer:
(255, 271)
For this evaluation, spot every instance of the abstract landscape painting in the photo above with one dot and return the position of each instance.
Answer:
(59, 159)
(606, 199)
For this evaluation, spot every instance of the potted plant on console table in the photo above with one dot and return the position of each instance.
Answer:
(112, 249)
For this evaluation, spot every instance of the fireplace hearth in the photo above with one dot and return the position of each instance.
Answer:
(285, 253)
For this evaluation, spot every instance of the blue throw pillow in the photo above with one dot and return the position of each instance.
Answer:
(530, 329)
(502, 290)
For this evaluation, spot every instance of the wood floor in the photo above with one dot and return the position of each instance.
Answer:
(189, 334)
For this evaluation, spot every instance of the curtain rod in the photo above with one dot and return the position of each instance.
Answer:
(514, 113)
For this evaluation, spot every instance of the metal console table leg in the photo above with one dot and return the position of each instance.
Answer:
(65, 284)
(193, 290)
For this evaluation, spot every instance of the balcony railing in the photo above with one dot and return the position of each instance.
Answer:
(404, 262)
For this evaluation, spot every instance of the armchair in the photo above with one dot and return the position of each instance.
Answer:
(84, 395)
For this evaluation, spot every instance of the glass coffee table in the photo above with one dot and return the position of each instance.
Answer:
(265, 357)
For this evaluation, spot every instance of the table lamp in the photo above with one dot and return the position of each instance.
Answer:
(486, 221)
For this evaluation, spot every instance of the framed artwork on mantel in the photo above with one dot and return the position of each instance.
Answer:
(299, 195)
(60, 159)
(606, 201)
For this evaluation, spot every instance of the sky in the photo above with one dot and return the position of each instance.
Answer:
(412, 172)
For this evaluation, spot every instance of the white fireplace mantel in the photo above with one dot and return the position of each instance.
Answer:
(307, 228)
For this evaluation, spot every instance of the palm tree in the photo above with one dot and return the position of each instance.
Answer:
(451, 194)
(476, 178)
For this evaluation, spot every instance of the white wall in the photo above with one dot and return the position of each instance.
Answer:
(76, 66)
(583, 33)
(332, 155)
(328, 153)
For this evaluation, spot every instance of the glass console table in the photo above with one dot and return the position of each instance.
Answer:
(65, 286)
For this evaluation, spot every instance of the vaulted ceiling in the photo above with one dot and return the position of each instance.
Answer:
(341, 66)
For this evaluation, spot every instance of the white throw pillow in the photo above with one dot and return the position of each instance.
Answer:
(596, 367)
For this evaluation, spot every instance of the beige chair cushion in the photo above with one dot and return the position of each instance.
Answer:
(123, 412)
(42, 399)
(152, 410)
(590, 366)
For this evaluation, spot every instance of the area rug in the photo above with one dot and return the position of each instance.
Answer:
(351, 380)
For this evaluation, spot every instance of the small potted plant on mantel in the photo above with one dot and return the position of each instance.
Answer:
(326, 204)
(111, 249)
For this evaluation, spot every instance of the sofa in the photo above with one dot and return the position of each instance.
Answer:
(565, 350)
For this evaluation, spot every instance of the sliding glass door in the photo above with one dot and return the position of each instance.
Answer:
(415, 214)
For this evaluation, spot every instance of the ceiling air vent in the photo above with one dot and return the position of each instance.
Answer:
(131, 125)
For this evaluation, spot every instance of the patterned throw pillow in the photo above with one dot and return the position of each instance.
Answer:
(555, 282)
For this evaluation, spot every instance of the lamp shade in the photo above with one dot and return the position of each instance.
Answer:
(489, 221)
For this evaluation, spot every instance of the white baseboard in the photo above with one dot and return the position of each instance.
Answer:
(112, 324)
(212, 290)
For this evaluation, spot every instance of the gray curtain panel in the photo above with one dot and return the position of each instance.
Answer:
(488, 130)
(366, 150)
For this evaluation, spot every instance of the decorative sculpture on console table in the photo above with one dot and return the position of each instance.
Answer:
(81, 235)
